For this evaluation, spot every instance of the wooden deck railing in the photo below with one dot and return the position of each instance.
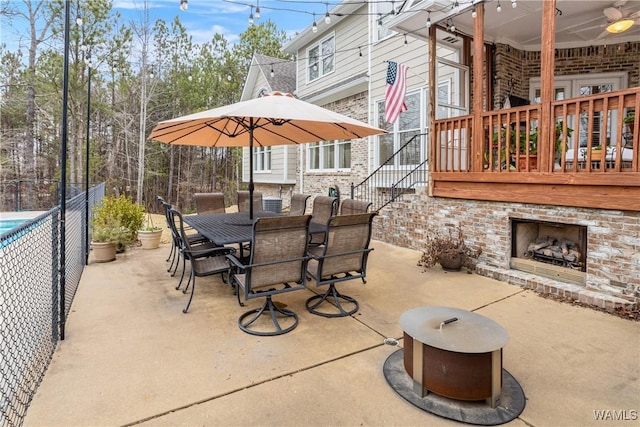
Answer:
(591, 134)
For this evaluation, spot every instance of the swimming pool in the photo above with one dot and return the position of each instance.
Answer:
(7, 224)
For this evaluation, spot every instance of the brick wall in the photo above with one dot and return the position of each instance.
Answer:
(613, 258)
(318, 183)
(514, 68)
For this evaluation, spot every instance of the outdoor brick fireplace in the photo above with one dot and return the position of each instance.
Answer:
(550, 249)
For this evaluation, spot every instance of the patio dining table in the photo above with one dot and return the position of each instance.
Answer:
(229, 228)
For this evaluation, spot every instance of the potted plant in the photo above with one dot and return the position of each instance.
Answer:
(449, 250)
(629, 121)
(150, 235)
(116, 220)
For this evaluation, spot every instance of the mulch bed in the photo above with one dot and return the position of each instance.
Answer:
(623, 313)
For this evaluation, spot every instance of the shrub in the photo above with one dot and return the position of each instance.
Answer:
(117, 219)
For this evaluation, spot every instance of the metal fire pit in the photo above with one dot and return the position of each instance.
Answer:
(454, 353)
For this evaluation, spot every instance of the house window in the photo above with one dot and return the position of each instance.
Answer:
(262, 159)
(329, 156)
(385, 11)
(320, 58)
(582, 85)
(409, 124)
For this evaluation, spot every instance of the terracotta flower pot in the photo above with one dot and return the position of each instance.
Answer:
(150, 239)
(103, 251)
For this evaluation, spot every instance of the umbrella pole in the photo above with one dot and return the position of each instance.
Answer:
(251, 169)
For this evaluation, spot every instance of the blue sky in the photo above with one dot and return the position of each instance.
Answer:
(203, 18)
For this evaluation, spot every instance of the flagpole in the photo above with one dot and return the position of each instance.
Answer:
(411, 71)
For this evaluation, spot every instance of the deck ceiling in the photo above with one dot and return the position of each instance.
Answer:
(580, 23)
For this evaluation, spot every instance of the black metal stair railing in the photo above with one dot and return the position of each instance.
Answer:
(398, 175)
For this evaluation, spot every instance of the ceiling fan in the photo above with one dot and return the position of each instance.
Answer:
(617, 20)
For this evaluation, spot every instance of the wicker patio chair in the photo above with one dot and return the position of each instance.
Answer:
(209, 203)
(243, 201)
(277, 264)
(298, 204)
(343, 257)
(206, 259)
(351, 206)
(324, 207)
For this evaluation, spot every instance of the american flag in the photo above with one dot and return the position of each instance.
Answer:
(395, 92)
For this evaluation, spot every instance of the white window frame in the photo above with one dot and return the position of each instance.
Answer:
(571, 84)
(422, 129)
(322, 148)
(382, 18)
(262, 159)
(320, 59)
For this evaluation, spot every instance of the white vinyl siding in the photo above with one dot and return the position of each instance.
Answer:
(350, 36)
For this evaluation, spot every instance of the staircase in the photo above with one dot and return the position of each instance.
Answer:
(397, 176)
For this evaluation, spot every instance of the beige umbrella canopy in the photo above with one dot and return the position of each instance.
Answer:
(274, 119)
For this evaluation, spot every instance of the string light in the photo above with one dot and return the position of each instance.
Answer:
(405, 39)
(499, 7)
(184, 5)
(258, 9)
(251, 16)
(272, 72)
(315, 26)
(474, 13)
(452, 27)
(360, 50)
(327, 18)
(429, 20)
(79, 21)
(514, 3)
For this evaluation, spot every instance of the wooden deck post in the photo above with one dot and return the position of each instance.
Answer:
(479, 55)
(547, 91)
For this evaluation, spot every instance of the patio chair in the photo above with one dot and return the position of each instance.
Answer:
(243, 201)
(193, 239)
(343, 257)
(161, 207)
(277, 264)
(351, 207)
(298, 204)
(209, 203)
(206, 259)
(324, 207)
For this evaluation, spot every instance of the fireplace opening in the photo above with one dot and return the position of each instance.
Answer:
(553, 243)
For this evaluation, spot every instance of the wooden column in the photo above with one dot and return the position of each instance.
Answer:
(433, 89)
(477, 141)
(547, 90)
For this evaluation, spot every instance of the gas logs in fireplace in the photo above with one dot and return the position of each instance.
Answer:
(563, 252)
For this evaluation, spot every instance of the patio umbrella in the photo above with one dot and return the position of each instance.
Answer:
(274, 119)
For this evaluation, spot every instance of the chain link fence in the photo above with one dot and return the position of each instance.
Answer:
(30, 294)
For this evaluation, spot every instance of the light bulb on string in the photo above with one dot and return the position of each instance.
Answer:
(499, 7)
(258, 9)
(474, 13)
(251, 16)
(327, 18)
(79, 21)
(428, 24)
(184, 5)
(272, 72)
(314, 28)
(514, 3)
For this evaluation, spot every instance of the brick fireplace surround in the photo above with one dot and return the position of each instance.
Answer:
(612, 277)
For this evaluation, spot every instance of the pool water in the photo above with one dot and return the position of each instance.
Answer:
(9, 224)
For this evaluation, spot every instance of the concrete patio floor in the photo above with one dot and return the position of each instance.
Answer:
(131, 357)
